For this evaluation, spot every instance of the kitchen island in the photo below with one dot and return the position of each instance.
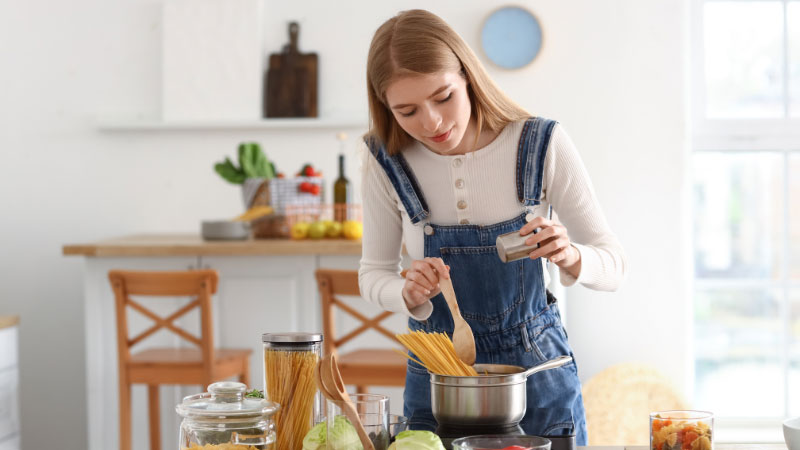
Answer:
(265, 286)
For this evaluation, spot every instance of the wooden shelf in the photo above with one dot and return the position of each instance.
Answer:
(191, 244)
(255, 124)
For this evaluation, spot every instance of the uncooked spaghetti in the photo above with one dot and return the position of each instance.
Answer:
(290, 382)
(436, 353)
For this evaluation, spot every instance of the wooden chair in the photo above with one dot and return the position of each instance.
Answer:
(155, 366)
(364, 367)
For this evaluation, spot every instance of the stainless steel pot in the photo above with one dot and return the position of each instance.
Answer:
(498, 398)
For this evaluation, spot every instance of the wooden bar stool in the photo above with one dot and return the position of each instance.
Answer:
(364, 367)
(155, 366)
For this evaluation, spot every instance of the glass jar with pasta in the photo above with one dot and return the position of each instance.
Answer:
(289, 363)
(224, 419)
(681, 430)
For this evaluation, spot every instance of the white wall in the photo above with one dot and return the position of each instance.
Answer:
(611, 71)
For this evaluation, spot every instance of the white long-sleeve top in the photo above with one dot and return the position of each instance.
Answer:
(486, 180)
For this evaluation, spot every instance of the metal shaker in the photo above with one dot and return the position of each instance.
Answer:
(511, 246)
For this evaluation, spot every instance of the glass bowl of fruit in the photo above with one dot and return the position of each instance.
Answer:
(681, 430)
(500, 442)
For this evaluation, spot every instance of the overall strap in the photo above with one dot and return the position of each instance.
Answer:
(402, 178)
(531, 153)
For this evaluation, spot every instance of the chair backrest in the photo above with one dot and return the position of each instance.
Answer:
(201, 284)
(333, 283)
(619, 400)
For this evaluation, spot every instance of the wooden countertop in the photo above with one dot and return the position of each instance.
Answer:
(191, 244)
(8, 321)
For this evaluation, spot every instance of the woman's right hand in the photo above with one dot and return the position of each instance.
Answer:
(422, 280)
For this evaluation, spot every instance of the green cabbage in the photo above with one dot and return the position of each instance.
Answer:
(344, 435)
(416, 440)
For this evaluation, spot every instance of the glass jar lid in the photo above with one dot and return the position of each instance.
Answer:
(292, 337)
(226, 399)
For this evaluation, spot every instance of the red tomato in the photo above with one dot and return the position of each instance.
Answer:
(315, 189)
(309, 172)
(305, 186)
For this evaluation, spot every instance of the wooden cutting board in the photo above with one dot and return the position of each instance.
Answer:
(291, 81)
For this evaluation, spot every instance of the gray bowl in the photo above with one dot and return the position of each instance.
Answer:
(224, 230)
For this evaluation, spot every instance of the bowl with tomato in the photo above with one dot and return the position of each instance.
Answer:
(501, 442)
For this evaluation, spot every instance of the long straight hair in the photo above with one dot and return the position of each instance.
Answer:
(417, 42)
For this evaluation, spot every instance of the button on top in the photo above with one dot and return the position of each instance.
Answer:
(464, 222)
(461, 204)
(428, 230)
(460, 183)
(529, 217)
(457, 162)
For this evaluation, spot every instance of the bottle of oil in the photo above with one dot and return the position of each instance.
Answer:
(341, 187)
(341, 194)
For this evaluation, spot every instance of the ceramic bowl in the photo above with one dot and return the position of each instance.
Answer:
(791, 433)
(224, 230)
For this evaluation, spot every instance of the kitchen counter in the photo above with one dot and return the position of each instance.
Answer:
(191, 244)
(8, 321)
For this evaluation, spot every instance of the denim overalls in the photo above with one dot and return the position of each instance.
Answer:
(506, 304)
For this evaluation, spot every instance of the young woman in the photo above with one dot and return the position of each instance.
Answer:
(453, 163)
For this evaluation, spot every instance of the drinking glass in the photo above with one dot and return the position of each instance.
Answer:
(372, 409)
(396, 425)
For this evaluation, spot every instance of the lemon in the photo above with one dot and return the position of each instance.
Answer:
(352, 229)
(317, 230)
(334, 229)
(299, 230)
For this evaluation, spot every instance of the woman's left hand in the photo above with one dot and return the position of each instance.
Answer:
(554, 243)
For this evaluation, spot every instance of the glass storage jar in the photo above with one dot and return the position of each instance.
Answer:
(290, 360)
(223, 418)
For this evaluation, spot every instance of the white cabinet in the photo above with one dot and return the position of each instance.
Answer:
(11, 443)
(9, 389)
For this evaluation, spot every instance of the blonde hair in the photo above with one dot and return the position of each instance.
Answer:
(417, 42)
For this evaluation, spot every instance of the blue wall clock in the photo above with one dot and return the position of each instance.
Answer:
(511, 37)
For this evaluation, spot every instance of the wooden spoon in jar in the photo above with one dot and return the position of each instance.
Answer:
(318, 377)
(331, 380)
(463, 340)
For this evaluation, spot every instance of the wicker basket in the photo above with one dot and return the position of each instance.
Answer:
(270, 227)
(291, 205)
(326, 211)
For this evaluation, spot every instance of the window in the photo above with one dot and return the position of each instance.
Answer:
(746, 207)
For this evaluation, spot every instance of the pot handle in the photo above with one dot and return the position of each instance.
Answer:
(547, 365)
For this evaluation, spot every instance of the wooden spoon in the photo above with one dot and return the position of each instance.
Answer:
(334, 386)
(318, 378)
(463, 340)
